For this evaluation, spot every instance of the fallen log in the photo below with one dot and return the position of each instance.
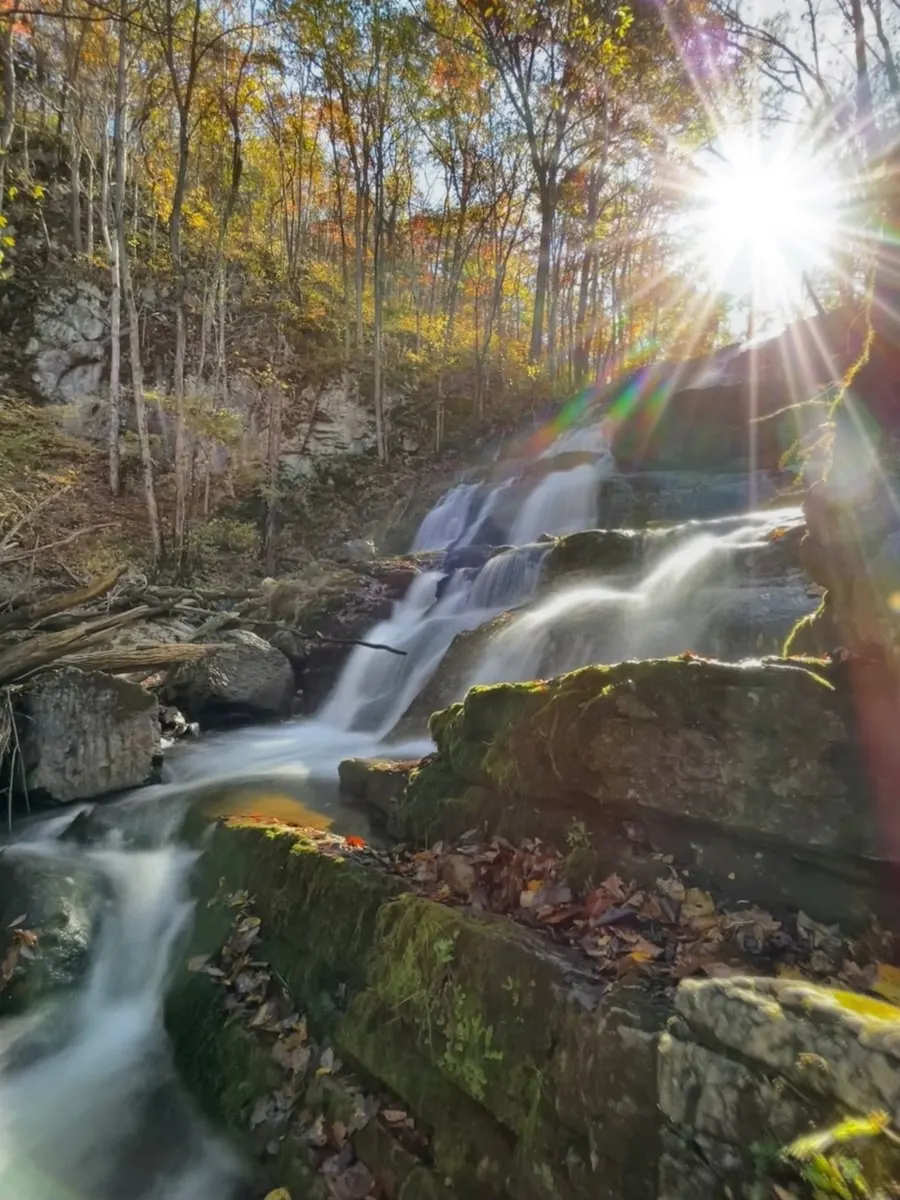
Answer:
(45, 648)
(39, 610)
(138, 658)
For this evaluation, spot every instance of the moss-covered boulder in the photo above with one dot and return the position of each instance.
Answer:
(748, 769)
(534, 1081)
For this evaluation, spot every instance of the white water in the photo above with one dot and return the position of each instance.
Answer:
(563, 502)
(447, 520)
(89, 1105)
(663, 612)
(375, 688)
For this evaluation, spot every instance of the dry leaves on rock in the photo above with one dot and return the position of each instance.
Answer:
(671, 930)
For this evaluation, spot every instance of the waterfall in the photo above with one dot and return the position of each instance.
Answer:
(681, 591)
(447, 520)
(376, 687)
(89, 1103)
(563, 502)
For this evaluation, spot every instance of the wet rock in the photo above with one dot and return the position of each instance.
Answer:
(593, 551)
(85, 734)
(720, 764)
(246, 680)
(49, 912)
(374, 783)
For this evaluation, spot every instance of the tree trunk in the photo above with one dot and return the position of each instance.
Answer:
(181, 448)
(273, 458)
(124, 281)
(8, 121)
(542, 280)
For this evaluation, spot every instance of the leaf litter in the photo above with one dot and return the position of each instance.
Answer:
(258, 996)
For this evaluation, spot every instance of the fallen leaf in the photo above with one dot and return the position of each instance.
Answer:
(198, 962)
(17, 921)
(213, 971)
(887, 982)
(355, 843)
(279, 1193)
(697, 904)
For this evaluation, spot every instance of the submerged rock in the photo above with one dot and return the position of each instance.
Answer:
(85, 734)
(247, 679)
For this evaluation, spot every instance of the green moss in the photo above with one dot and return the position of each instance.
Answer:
(812, 636)
(318, 911)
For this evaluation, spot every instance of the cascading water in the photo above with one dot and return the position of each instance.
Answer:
(563, 502)
(89, 1103)
(447, 521)
(376, 686)
(671, 607)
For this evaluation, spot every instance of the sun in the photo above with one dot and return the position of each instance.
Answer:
(766, 216)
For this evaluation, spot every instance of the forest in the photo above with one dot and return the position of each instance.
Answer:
(474, 205)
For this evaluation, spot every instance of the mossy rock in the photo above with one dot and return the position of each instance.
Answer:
(531, 1080)
(375, 783)
(318, 910)
(545, 1079)
(747, 747)
(592, 552)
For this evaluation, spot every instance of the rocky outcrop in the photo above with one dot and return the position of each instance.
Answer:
(68, 346)
(536, 1081)
(536, 1074)
(86, 734)
(720, 765)
(248, 679)
(750, 1062)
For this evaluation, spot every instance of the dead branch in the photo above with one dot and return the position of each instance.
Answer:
(138, 658)
(44, 649)
(66, 541)
(40, 610)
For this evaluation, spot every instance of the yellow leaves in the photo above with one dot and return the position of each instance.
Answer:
(278, 1194)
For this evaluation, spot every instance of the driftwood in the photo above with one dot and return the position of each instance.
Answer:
(67, 627)
(138, 658)
(39, 610)
(45, 648)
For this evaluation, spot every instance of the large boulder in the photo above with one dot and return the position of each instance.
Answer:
(537, 1080)
(85, 734)
(746, 773)
(748, 1062)
(247, 679)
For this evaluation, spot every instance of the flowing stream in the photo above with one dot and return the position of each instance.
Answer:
(90, 1108)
